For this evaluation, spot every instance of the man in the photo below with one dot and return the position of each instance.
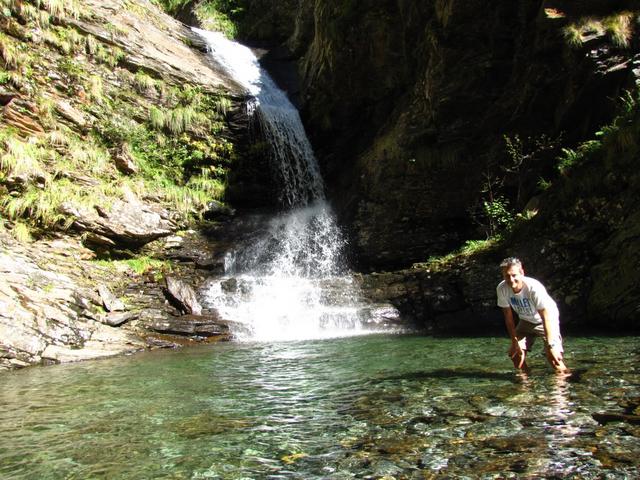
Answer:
(537, 312)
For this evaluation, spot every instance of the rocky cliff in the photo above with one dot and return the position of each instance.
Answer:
(441, 122)
(410, 105)
(116, 139)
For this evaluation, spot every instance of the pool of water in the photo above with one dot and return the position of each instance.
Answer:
(403, 407)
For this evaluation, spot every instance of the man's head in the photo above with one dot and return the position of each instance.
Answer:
(513, 273)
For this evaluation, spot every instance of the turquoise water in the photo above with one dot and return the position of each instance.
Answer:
(402, 407)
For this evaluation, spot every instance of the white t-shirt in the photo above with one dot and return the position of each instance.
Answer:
(528, 301)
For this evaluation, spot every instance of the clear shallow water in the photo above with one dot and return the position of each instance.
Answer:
(361, 407)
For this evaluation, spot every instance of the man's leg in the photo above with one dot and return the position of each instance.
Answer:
(524, 341)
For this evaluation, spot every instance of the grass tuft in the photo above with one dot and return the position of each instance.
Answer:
(619, 29)
(21, 232)
(22, 158)
(144, 84)
(95, 89)
(9, 53)
(157, 117)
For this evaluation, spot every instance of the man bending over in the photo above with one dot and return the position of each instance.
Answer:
(537, 312)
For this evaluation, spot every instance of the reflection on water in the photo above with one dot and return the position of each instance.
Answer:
(365, 407)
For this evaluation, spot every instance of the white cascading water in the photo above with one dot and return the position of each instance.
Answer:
(290, 284)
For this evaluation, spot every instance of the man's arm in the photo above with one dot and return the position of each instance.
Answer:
(509, 323)
(515, 352)
(553, 351)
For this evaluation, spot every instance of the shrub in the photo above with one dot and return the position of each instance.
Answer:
(498, 215)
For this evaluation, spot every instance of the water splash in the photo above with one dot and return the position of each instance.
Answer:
(291, 283)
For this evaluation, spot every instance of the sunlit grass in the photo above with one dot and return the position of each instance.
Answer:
(143, 83)
(11, 57)
(109, 55)
(61, 8)
(90, 44)
(573, 35)
(22, 158)
(39, 205)
(48, 206)
(95, 89)
(212, 19)
(470, 248)
(57, 138)
(46, 109)
(66, 166)
(89, 158)
(21, 232)
(139, 265)
(223, 105)
(156, 117)
(177, 120)
(619, 28)
(180, 119)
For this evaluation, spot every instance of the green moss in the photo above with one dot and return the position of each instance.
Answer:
(139, 265)
(469, 249)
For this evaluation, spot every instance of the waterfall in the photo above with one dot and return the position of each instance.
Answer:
(293, 161)
(291, 283)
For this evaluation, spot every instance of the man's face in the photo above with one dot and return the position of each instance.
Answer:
(513, 276)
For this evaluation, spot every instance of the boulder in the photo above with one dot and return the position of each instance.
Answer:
(115, 319)
(182, 296)
(109, 300)
(130, 223)
(125, 162)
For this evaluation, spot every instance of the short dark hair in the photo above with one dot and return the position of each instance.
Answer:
(509, 261)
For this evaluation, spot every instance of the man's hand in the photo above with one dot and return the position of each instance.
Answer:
(517, 355)
(554, 355)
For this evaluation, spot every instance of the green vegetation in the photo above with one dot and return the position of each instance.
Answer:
(214, 15)
(21, 233)
(171, 132)
(618, 29)
(620, 138)
(499, 216)
(615, 144)
(470, 248)
(509, 184)
(220, 15)
(139, 265)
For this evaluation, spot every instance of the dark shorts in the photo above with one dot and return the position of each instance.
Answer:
(527, 333)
